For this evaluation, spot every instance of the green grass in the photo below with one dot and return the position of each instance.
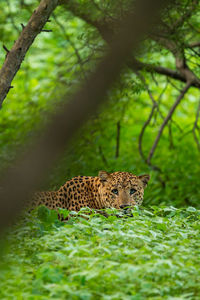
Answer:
(154, 254)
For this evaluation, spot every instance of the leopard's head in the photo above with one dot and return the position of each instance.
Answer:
(122, 189)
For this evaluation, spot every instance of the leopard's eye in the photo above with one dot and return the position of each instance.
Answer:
(132, 191)
(115, 191)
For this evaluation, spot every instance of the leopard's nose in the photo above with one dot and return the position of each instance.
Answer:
(124, 206)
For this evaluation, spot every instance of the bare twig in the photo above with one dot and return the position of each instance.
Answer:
(158, 106)
(154, 78)
(171, 143)
(158, 103)
(146, 123)
(16, 55)
(166, 120)
(79, 59)
(46, 30)
(195, 126)
(174, 86)
(117, 140)
(6, 49)
(155, 106)
(103, 156)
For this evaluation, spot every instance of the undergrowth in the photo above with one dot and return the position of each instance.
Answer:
(149, 253)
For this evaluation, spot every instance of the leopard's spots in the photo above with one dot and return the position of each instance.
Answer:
(118, 189)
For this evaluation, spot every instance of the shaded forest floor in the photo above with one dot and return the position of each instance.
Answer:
(154, 254)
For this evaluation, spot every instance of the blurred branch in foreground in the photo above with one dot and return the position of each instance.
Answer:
(26, 175)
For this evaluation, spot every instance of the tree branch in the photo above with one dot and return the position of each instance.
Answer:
(105, 28)
(138, 66)
(194, 44)
(147, 122)
(178, 52)
(15, 56)
(166, 120)
(187, 15)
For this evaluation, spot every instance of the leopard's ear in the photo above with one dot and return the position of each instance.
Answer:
(103, 175)
(144, 178)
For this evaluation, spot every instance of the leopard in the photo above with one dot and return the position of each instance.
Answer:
(107, 190)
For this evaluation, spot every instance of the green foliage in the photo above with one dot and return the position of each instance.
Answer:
(153, 254)
(55, 65)
(148, 253)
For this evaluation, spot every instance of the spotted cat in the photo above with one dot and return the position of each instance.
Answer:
(107, 190)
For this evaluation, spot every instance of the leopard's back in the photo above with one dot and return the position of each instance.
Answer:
(80, 191)
(49, 199)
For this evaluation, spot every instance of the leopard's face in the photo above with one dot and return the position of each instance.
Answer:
(122, 189)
